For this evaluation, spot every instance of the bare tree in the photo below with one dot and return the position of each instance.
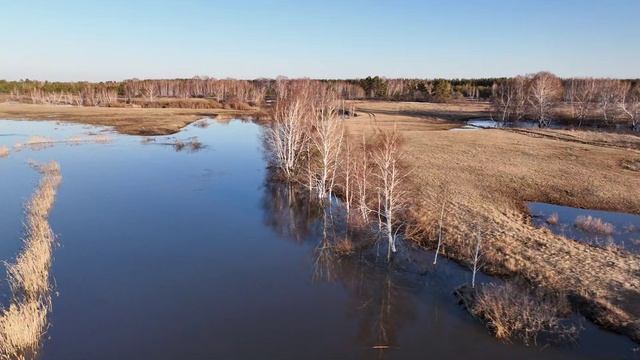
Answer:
(477, 258)
(444, 203)
(362, 181)
(288, 134)
(583, 93)
(629, 104)
(387, 158)
(327, 138)
(544, 92)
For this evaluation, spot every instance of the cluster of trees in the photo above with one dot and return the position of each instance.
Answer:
(543, 96)
(307, 145)
(437, 90)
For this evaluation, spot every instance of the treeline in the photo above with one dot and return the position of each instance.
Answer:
(437, 90)
(544, 96)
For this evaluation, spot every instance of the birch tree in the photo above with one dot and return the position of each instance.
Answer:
(387, 158)
(544, 91)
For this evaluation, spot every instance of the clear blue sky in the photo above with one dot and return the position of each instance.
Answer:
(117, 39)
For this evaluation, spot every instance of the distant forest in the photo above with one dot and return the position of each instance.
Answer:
(538, 96)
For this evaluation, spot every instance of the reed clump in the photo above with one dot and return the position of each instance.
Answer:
(24, 322)
(553, 219)
(514, 310)
(594, 225)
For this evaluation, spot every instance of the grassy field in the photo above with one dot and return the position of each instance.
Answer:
(486, 176)
(126, 120)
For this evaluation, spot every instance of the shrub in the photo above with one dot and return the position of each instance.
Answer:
(517, 311)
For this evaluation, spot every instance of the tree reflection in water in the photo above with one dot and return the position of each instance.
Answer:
(381, 299)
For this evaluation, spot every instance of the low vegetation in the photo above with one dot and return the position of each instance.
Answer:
(594, 225)
(4, 151)
(515, 311)
(23, 323)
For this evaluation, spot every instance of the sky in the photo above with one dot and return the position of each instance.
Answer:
(116, 39)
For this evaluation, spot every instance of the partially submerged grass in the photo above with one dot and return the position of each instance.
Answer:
(21, 328)
(191, 144)
(24, 322)
(553, 219)
(594, 225)
(516, 311)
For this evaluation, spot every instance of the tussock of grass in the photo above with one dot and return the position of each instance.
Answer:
(4, 151)
(553, 219)
(344, 247)
(594, 225)
(24, 321)
(515, 311)
(192, 144)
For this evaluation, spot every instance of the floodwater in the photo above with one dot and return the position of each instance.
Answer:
(625, 227)
(482, 123)
(193, 254)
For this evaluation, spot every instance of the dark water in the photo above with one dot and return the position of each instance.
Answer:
(193, 255)
(626, 227)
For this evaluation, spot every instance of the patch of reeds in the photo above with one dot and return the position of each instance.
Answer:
(515, 310)
(4, 151)
(594, 225)
(24, 322)
(191, 144)
(553, 219)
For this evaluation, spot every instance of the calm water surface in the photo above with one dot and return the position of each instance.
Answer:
(626, 227)
(167, 254)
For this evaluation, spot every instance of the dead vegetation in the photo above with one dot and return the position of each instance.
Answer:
(553, 219)
(516, 311)
(23, 323)
(41, 142)
(4, 151)
(594, 225)
(492, 174)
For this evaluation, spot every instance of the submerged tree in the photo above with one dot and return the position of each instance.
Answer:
(389, 173)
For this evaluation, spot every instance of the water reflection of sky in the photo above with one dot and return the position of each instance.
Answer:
(166, 254)
(626, 232)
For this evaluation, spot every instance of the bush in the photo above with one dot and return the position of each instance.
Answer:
(517, 311)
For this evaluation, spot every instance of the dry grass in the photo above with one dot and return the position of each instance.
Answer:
(344, 247)
(4, 151)
(191, 144)
(23, 323)
(593, 225)
(133, 121)
(553, 219)
(515, 311)
(492, 173)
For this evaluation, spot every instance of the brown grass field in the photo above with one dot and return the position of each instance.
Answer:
(126, 120)
(487, 176)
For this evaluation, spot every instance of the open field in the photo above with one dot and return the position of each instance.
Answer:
(131, 121)
(486, 176)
